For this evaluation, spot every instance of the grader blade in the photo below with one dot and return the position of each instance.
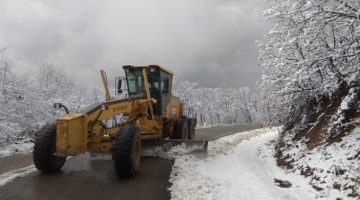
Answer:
(173, 147)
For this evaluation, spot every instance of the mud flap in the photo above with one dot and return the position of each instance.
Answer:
(172, 147)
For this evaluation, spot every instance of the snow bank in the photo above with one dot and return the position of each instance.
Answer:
(199, 126)
(240, 166)
(23, 146)
(333, 169)
(171, 152)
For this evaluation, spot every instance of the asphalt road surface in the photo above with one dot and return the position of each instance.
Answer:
(88, 178)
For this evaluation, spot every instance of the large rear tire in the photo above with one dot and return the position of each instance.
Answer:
(181, 129)
(191, 123)
(44, 149)
(127, 152)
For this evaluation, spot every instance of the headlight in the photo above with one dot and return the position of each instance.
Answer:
(104, 107)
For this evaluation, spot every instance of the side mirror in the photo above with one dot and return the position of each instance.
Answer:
(59, 106)
(119, 84)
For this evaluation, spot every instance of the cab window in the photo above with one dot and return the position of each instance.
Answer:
(135, 81)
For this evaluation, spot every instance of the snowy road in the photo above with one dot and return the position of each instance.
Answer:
(93, 177)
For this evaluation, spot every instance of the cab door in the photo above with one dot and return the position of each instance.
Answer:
(165, 85)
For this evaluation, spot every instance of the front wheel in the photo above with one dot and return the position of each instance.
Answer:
(127, 152)
(191, 129)
(181, 129)
(44, 149)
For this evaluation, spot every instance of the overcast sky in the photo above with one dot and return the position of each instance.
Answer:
(205, 41)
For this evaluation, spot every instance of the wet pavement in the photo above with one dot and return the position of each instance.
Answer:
(93, 178)
(14, 162)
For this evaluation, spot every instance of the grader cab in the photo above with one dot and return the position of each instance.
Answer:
(149, 114)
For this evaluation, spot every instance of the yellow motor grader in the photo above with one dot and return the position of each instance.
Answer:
(149, 114)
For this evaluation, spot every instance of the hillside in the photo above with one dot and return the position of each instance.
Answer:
(312, 73)
(326, 149)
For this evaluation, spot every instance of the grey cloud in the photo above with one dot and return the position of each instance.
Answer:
(207, 41)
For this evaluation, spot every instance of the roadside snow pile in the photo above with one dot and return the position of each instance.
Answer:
(23, 146)
(215, 147)
(169, 153)
(334, 170)
(240, 166)
(199, 126)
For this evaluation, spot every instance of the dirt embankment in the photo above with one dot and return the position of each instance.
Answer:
(325, 128)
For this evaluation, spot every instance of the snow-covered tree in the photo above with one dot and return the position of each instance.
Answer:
(311, 61)
(26, 100)
(53, 81)
(219, 105)
(310, 56)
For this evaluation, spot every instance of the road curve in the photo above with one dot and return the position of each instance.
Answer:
(88, 178)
